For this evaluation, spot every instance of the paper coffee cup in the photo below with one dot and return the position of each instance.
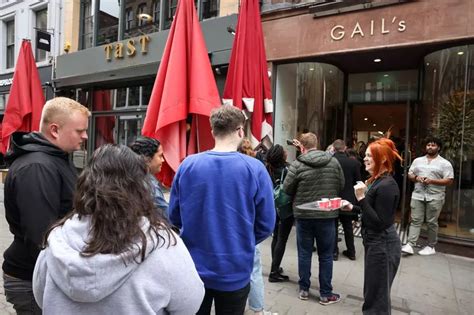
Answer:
(335, 203)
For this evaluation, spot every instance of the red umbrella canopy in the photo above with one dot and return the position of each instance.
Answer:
(26, 101)
(247, 78)
(184, 85)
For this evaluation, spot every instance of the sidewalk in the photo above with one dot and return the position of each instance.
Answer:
(439, 284)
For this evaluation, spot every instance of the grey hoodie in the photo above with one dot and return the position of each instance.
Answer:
(64, 282)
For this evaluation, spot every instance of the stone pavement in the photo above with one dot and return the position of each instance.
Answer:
(439, 284)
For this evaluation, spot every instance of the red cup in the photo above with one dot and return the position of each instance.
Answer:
(323, 204)
(335, 203)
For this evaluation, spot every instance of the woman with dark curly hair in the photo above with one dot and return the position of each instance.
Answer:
(277, 168)
(114, 253)
(152, 151)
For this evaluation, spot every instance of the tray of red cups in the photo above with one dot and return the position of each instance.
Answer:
(324, 204)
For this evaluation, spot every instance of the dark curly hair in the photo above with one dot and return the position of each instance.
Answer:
(112, 190)
(275, 158)
(145, 146)
(435, 140)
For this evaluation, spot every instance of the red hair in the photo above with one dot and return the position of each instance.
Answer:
(384, 153)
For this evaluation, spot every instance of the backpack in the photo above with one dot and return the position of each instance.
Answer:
(283, 201)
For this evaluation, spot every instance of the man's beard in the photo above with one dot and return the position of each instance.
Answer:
(432, 152)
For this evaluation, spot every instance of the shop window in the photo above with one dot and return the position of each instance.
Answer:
(209, 9)
(448, 113)
(313, 104)
(378, 87)
(3, 101)
(41, 24)
(142, 19)
(108, 20)
(10, 60)
(87, 25)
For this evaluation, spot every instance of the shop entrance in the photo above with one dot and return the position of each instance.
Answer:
(368, 121)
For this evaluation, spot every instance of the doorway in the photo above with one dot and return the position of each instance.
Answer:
(368, 121)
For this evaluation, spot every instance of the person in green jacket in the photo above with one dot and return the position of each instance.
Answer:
(314, 175)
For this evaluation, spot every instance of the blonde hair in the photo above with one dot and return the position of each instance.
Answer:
(309, 140)
(58, 109)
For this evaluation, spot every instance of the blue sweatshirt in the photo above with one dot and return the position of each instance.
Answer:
(223, 204)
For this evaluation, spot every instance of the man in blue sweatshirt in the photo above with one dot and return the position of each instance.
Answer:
(222, 201)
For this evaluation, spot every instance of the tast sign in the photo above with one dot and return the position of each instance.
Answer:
(382, 26)
(120, 49)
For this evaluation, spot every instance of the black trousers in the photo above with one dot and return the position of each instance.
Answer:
(280, 237)
(226, 302)
(346, 221)
(382, 258)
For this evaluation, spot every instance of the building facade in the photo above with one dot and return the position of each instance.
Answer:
(357, 69)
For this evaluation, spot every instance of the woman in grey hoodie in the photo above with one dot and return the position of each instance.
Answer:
(114, 253)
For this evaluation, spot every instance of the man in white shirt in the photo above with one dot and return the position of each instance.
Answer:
(431, 174)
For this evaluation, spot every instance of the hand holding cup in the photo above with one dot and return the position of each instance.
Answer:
(359, 190)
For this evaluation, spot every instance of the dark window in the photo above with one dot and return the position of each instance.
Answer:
(146, 15)
(128, 19)
(87, 25)
(10, 44)
(170, 11)
(156, 11)
(108, 19)
(42, 24)
(209, 9)
(142, 15)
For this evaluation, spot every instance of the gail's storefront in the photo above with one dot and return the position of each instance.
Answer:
(355, 71)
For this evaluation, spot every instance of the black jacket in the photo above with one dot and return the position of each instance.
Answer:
(351, 169)
(38, 190)
(312, 176)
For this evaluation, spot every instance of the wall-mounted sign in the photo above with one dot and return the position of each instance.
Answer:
(43, 40)
(6, 82)
(382, 26)
(119, 49)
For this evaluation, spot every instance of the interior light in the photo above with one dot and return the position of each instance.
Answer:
(366, 118)
(460, 53)
(377, 60)
(385, 75)
(375, 125)
(427, 63)
(144, 17)
(311, 69)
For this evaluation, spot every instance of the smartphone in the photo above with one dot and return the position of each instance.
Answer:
(289, 142)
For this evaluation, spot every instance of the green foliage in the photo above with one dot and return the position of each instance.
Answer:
(450, 130)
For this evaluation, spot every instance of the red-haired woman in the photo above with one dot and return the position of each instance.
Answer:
(378, 202)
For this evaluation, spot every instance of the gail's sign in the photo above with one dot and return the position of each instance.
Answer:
(119, 49)
(382, 26)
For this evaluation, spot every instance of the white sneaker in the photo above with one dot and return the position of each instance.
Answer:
(407, 249)
(428, 250)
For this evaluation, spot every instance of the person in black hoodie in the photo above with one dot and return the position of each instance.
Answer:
(351, 170)
(39, 190)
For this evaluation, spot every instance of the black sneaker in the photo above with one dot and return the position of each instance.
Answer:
(277, 277)
(346, 253)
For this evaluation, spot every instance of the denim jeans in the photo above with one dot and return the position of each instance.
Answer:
(257, 290)
(226, 302)
(382, 258)
(419, 209)
(323, 231)
(20, 293)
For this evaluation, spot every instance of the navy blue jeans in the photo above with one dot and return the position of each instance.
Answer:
(382, 258)
(323, 231)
